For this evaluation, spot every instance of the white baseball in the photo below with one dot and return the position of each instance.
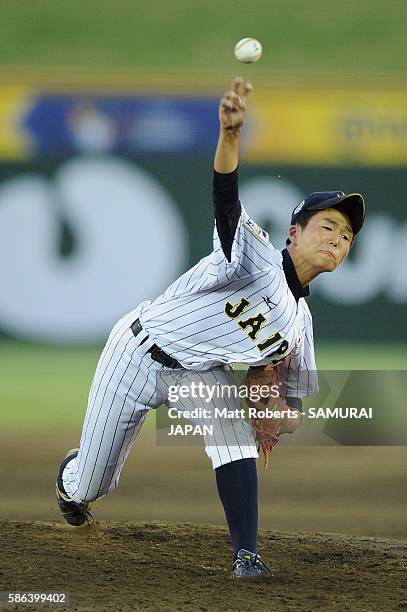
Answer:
(248, 50)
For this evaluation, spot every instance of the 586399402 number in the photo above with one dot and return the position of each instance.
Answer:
(22, 597)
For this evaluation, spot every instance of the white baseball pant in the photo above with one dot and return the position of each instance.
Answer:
(127, 383)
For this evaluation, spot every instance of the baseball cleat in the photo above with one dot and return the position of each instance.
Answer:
(73, 513)
(249, 565)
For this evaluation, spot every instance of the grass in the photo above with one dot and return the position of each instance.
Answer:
(47, 386)
(368, 36)
(44, 385)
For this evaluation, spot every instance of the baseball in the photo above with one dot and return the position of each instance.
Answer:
(248, 50)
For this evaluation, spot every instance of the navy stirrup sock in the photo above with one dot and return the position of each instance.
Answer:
(238, 491)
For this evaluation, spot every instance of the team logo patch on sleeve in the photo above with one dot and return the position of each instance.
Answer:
(255, 229)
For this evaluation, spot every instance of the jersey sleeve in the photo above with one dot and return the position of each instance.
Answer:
(298, 372)
(227, 208)
(251, 251)
(240, 246)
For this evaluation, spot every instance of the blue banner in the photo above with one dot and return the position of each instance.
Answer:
(79, 123)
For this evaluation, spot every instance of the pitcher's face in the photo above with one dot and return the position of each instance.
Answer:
(326, 239)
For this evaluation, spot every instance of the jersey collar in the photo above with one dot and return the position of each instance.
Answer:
(291, 277)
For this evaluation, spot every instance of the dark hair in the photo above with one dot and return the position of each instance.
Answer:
(304, 217)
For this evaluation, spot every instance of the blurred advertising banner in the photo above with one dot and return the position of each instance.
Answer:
(85, 239)
(330, 126)
(302, 125)
(34, 125)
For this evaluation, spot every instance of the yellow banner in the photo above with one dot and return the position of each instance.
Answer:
(15, 143)
(333, 127)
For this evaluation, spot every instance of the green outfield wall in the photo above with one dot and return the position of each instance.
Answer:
(85, 239)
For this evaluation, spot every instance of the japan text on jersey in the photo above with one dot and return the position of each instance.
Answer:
(239, 311)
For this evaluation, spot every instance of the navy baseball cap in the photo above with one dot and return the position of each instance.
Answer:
(353, 205)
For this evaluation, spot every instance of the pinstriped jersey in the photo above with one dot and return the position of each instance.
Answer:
(242, 310)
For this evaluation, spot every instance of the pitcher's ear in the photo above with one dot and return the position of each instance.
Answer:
(292, 234)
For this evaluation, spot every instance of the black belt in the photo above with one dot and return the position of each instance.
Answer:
(156, 353)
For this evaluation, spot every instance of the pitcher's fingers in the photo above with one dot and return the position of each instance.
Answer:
(248, 88)
(232, 96)
(237, 84)
(243, 89)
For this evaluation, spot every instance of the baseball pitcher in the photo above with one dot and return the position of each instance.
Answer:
(243, 303)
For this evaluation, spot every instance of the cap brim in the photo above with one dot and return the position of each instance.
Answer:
(352, 203)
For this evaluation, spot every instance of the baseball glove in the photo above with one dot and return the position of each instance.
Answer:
(267, 430)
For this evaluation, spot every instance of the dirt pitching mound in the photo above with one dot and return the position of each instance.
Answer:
(158, 566)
